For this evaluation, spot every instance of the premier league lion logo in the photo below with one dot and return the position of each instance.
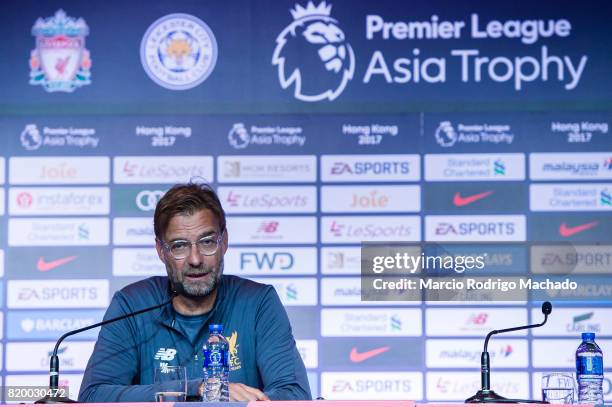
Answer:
(313, 56)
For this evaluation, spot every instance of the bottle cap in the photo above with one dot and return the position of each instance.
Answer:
(588, 336)
(215, 328)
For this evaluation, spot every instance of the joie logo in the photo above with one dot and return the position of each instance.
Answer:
(314, 31)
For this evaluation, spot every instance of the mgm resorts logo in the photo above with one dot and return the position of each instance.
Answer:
(312, 54)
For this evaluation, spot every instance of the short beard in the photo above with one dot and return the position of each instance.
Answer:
(198, 290)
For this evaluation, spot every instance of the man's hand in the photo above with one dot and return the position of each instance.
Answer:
(242, 392)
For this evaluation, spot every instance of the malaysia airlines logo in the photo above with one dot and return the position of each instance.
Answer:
(313, 39)
(358, 357)
(461, 201)
(608, 164)
(43, 265)
(568, 231)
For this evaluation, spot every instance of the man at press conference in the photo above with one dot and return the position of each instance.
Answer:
(191, 240)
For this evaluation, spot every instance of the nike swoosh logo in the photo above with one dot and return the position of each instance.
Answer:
(359, 357)
(43, 265)
(459, 200)
(567, 231)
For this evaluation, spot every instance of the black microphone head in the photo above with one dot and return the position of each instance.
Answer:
(546, 308)
(176, 289)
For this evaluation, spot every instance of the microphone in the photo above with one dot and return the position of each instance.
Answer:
(52, 396)
(485, 394)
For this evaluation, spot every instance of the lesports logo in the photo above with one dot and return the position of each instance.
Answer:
(30, 137)
(568, 231)
(178, 51)
(238, 136)
(358, 357)
(446, 135)
(60, 62)
(313, 39)
(460, 201)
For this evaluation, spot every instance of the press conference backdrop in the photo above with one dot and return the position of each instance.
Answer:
(321, 125)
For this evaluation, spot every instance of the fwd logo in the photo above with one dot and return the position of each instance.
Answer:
(268, 261)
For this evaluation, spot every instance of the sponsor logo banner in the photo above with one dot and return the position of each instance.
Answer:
(340, 260)
(391, 198)
(358, 168)
(308, 349)
(458, 353)
(50, 324)
(241, 136)
(34, 356)
(497, 228)
(2, 170)
(294, 292)
(473, 321)
(457, 386)
(58, 294)
(573, 321)
(590, 131)
(355, 229)
(369, 353)
(137, 262)
(347, 291)
(571, 259)
(130, 201)
(133, 231)
(370, 322)
(475, 167)
(162, 170)
(474, 197)
(58, 232)
(570, 166)
(266, 168)
(570, 228)
(33, 138)
(461, 134)
(59, 201)
(371, 385)
(163, 136)
(373, 134)
(51, 262)
(564, 354)
(268, 199)
(570, 197)
(272, 230)
(59, 170)
(271, 260)
(71, 381)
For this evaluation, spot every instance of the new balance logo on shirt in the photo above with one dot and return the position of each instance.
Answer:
(165, 354)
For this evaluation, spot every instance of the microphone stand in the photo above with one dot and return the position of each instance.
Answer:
(52, 396)
(485, 394)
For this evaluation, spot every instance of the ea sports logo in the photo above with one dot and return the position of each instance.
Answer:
(312, 55)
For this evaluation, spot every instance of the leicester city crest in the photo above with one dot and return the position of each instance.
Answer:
(60, 62)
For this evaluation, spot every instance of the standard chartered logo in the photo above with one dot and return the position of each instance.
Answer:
(147, 200)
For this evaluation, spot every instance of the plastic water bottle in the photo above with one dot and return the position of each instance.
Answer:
(589, 370)
(216, 365)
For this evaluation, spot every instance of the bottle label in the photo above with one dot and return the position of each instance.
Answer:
(587, 365)
(215, 357)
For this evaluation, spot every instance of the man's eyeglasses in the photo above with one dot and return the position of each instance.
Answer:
(207, 246)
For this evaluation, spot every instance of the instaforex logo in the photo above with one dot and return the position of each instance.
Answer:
(314, 36)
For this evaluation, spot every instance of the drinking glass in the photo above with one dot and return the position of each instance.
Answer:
(558, 388)
(170, 384)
